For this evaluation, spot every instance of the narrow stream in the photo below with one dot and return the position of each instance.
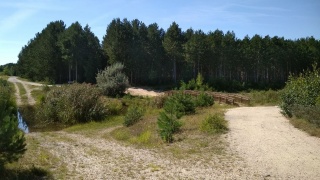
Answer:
(22, 124)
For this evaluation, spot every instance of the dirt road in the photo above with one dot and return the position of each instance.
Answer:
(25, 85)
(271, 146)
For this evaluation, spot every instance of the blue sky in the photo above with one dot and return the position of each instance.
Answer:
(20, 20)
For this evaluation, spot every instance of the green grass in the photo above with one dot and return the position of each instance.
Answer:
(23, 93)
(4, 77)
(93, 128)
(263, 98)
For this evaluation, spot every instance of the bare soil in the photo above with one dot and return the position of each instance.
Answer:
(271, 146)
(143, 92)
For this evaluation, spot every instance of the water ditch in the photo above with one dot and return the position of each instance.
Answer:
(22, 124)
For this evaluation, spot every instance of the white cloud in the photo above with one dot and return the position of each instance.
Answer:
(12, 21)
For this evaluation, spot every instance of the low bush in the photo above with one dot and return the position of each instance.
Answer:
(301, 91)
(76, 103)
(204, 100)
(214, 124)
(133, 115)
(183, 104)
(168, 124)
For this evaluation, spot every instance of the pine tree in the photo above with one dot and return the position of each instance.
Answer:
(12, 141)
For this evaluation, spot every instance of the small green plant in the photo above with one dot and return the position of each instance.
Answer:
(183, 104)
(144, 137)
(168, 125)
(214, 124)
(204, 100)
(133, 115)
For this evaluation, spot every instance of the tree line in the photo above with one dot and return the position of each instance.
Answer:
(153, 56)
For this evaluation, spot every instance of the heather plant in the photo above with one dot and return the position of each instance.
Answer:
(71, 104)
(112, 81)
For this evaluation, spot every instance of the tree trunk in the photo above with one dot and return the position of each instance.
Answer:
(69, 72)
(174, 71)
(76, 71)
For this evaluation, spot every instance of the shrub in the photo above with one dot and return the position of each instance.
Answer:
(214, 124)
(133, 115)
(112, 81)
(183, 104)
(168, 125)
(12, 140)
(71, 104)
(204, 100)
(302, 91)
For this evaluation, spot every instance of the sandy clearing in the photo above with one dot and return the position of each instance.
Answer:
(143, 92)
(271, 146)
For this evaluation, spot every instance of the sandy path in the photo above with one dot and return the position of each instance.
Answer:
(271, 146)
(25, 85)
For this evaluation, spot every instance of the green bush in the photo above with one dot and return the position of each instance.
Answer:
(12, 140)
(112, 81)
(133, 115)
(168, 125)
(76, 103)
(183, 104)
(303, 90)
(214, 124)
(204, 100)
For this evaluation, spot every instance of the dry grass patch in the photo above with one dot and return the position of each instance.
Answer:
(306, 126)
